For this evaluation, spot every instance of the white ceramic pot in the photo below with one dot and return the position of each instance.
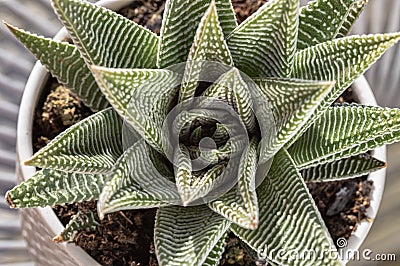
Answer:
(40, 225)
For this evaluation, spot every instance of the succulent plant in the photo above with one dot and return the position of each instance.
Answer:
(170, 135)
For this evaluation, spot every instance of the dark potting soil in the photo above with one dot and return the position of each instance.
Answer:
(126, 237)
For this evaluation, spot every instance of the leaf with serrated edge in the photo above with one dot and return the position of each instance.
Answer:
(183, 174)
(215, 255)
(325, 20)
(289, 112)
(106, 38)
(240, 204)
(352, 167)
(64, 62)
(353, 14)
(341, 60)
(265, 43)
(181, 19)
(78, 222)
(289, 220)
(52, 187)
(122, 191)
(232, 89)
(90, 146)
(344, 128)
(208, 45)
(187, 235)
(142, 97)
(148, 169)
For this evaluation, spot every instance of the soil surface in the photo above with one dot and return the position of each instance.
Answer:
(126, 237)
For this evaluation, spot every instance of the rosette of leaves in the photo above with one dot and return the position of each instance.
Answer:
(301, 61)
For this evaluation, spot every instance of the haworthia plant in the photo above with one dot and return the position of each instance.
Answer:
(226, 152)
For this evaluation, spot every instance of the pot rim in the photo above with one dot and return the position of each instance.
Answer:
(38, 79)
(363, 94)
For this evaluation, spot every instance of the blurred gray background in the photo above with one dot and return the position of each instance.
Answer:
(16, 64)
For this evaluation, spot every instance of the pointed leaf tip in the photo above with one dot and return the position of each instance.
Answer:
(9, 200)
(58, 238)
(9, 26)
(100, 211)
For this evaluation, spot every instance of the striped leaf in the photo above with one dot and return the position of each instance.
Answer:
(52, 187)
(64, 62)
(80, 221)
(220, 134)
(181, 19)
(90, 146)
(123, 191)
(105, 38)
(353, 14)
(355, 166)
(325, 20)
(149, 169)
(341, 60)
(215, 255)
(208, 45)
(142, 97)
(187, 235)
(183, 174)
(344, 131)
(232, 89)
(205, 184)
(240, 204)
(290, 113)
(192, 186)
(289, 220)
(264, 44)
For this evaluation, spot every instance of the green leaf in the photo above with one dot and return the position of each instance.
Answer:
(290, 113)
(215, 255)
(79, 221)
(187, 235)
(232, 89)
(289, 220)
(343, 169)
(341, 60)
(181, 19)
(142, 97)
(204, 184)
(264, 44)
(240, 204)
(325, 20)
(105, 38)
(183, 174)
(90, 146)
(352, 15)
(51, 187)
(64, 62)
(192, 185)
(344, 131)
(122, 191)
(208, 45)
